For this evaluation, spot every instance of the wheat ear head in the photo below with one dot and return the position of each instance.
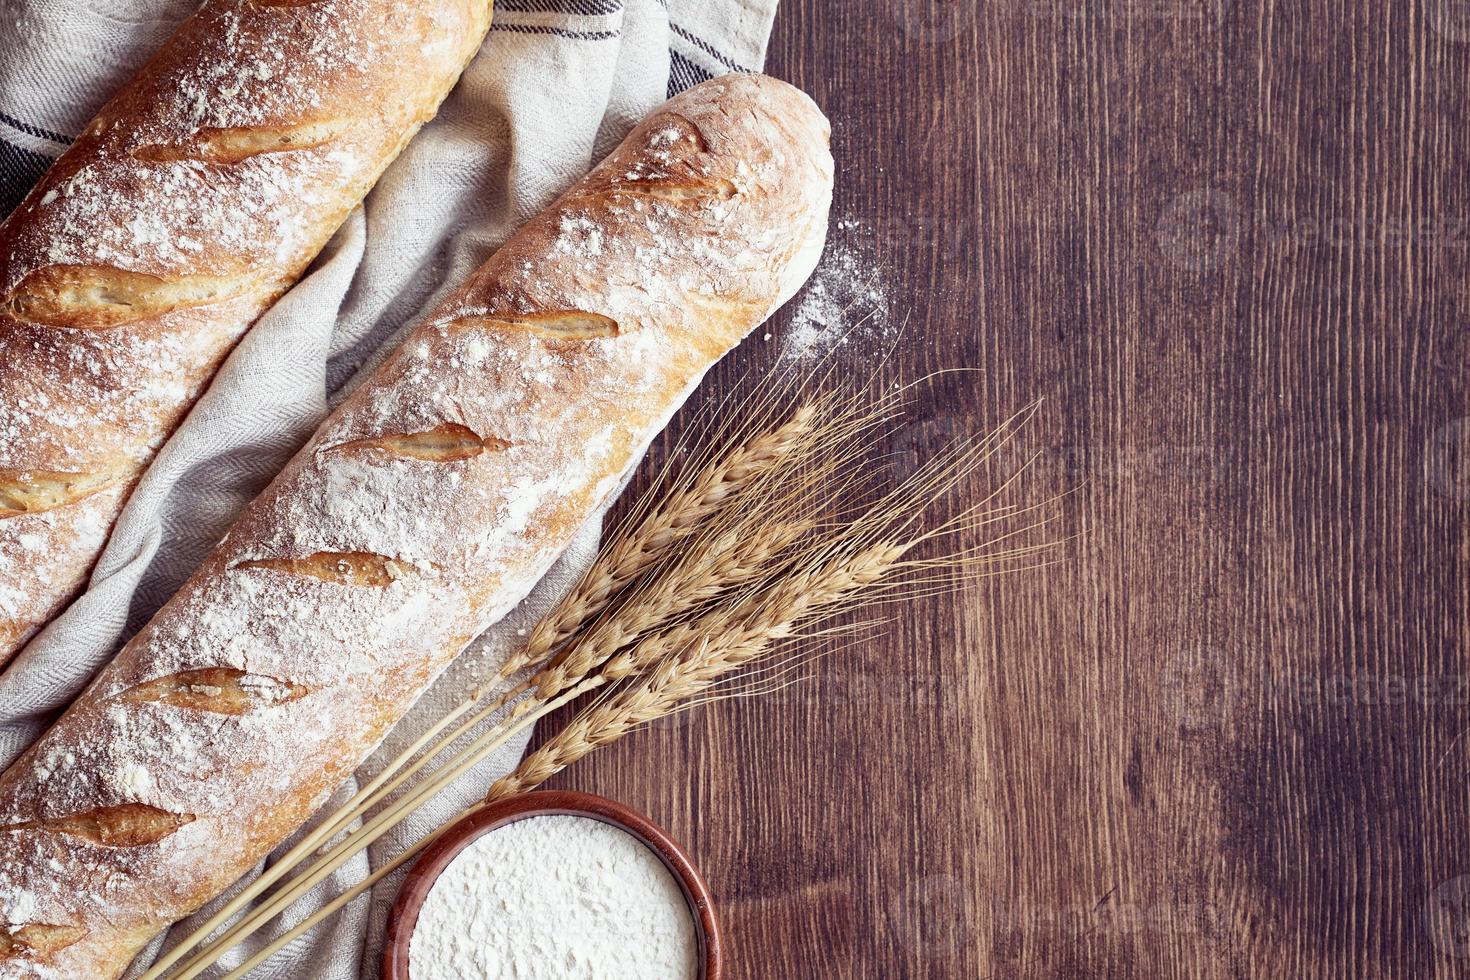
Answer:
(735, 558)
(671, 522)
(697, 654)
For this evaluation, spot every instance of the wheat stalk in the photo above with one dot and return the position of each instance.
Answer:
(850, 562)
(682, 674)
(739, 512)
(364, 836)
(757, 533)
(729, 568)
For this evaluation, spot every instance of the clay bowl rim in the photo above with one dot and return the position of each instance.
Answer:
(426, 869)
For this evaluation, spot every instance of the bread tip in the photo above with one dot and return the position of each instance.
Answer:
(794, 101)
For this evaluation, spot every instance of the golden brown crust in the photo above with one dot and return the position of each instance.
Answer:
(197, 195)
(356, 577)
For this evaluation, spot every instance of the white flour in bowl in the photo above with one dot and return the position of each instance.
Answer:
(555, 898)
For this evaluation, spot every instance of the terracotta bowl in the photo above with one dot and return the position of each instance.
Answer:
(426, 870)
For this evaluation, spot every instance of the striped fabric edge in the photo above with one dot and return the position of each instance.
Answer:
(575, 20)
(582, 8)
(702, 47)
(25, 129)
(685, 74)
(555, 31)
(20, 168)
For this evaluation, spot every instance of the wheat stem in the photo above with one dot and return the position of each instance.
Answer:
(355, 842)
(727, 565)
(334, 824)
(351, 894)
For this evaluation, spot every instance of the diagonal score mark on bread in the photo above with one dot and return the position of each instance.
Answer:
(35, 491)
(125, 825)
(673, 189)
(671, 173)
(96, 297)
(447, 443)
(672, 136)
(551, 325)
(37, 940)
(219, 690)
(342, 567)
(226, 145)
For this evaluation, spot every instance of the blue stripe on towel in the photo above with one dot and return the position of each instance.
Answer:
(684, 74)
(558, 31)
(582, 8)
(707, 48)
(35, 131)
(19, 171)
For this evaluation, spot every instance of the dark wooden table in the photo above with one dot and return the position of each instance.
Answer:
(1226, 240)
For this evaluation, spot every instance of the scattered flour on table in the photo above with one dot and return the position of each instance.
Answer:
(845, 306)
(555, 898)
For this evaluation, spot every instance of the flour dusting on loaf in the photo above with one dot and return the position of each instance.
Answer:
(187, 206)
(420, 513)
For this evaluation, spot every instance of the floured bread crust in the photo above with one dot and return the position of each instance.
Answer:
(194, 199)
(421, 512)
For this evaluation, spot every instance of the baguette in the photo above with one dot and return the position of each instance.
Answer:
(194, 199)
(420, 513)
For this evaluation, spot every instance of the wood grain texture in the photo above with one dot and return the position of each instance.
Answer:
(1227, 242)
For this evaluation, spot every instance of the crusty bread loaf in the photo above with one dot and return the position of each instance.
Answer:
(190, 203)
(420, 513)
